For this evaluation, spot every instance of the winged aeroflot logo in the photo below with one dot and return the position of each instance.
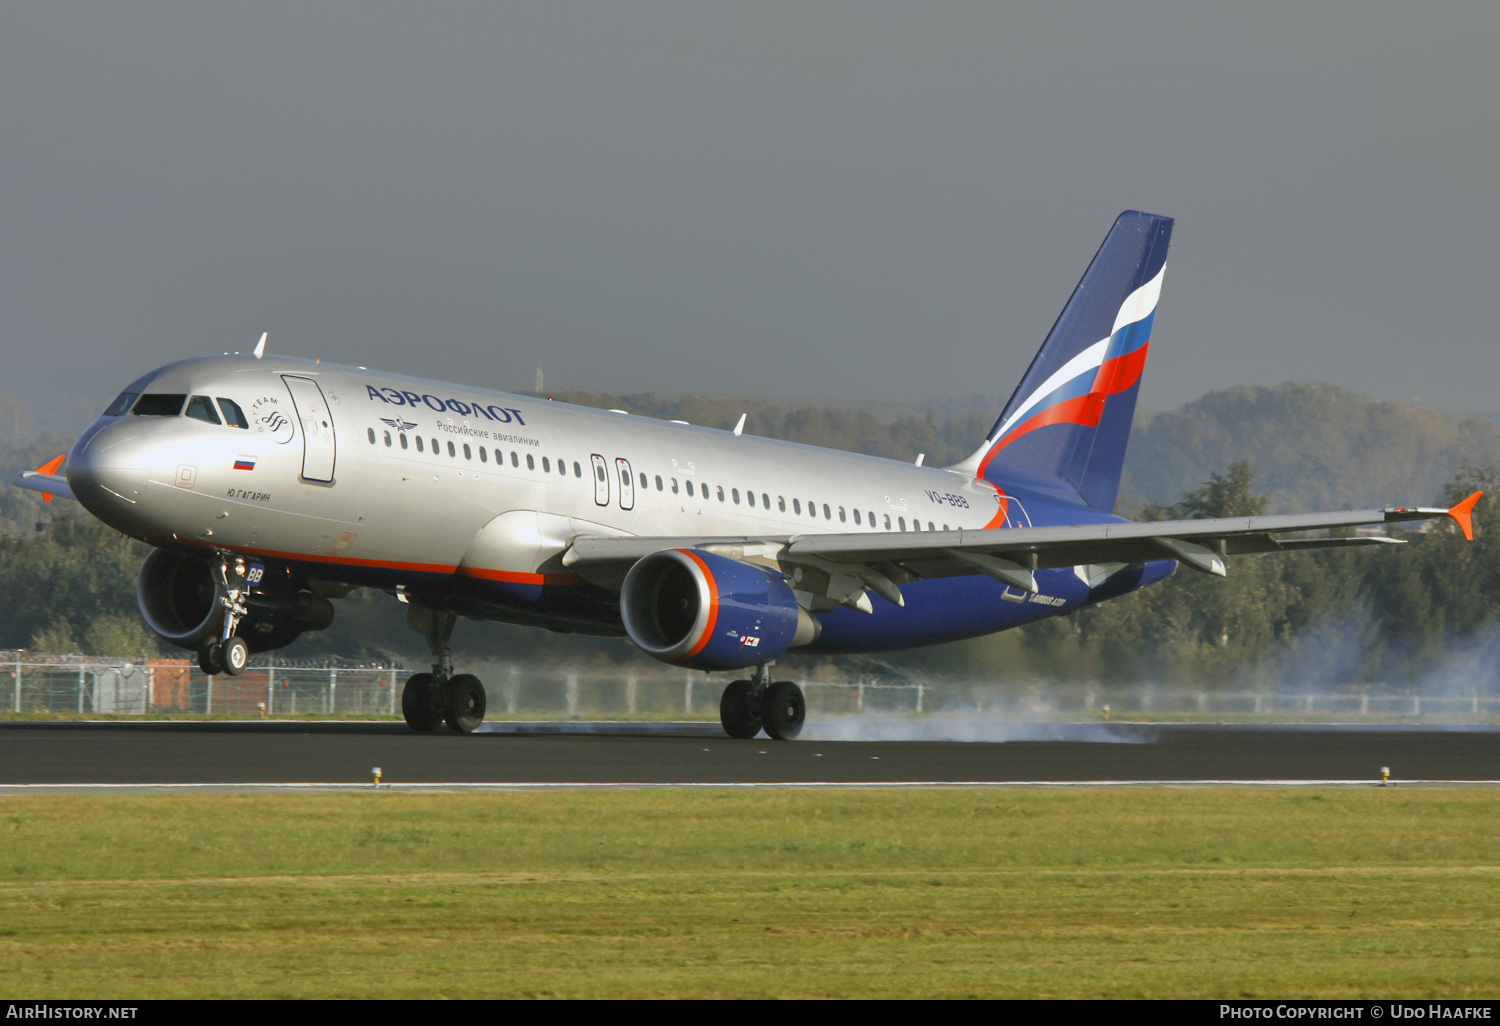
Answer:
(398, 423)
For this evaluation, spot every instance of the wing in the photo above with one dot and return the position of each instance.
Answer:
(45, 479)
(881, 561)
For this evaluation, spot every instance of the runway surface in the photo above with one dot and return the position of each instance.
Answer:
(222, 753)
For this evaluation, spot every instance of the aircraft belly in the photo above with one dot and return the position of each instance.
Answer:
(947, 609)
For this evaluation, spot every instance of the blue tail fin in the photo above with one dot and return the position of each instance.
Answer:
(1066, 427)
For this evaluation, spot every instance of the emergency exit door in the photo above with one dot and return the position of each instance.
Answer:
(319, 448)
(601, 480)
(627, 486)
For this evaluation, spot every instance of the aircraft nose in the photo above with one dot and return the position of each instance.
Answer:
(107, 473)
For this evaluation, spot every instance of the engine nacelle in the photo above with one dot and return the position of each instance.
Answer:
(179, 598)
(709, 612)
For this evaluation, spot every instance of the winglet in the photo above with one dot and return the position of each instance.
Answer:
(741, 425)
(260, 347)
(1463, 515)
(50, 467)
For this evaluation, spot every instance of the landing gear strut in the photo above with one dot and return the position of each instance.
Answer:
(440, 697)
(750, 705)
(229, 654)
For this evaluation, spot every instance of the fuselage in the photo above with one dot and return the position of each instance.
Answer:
(467, 498)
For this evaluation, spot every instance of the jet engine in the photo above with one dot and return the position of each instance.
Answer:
(179, 599)
(709, 612)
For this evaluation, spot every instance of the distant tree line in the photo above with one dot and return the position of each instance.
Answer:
(1388, 614)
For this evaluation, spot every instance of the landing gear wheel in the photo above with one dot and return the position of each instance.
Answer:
(211, 658)
(782, 710)
(464, 706)
(739, 711)
(235, 655)
(418, 703)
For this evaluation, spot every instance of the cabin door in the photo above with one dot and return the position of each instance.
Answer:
(318, 445)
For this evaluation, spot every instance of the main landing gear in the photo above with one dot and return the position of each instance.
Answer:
(441, 696)
(748, 706)
(228, 654)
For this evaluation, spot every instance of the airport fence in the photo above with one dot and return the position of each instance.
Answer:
(335, 687)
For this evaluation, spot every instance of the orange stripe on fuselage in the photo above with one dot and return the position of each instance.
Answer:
(998, 520)
(506, 576)
(713, 603)
(515, 577)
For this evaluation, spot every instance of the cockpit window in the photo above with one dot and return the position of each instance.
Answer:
(201, 407)
(159, 404)
(233, 415)
(121, 403)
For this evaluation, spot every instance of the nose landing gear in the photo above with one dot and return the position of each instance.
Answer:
(440, 696)
(748, 706)
(228, 654)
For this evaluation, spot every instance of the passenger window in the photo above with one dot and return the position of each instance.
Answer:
(872, 518)
(159, 405)
(750, 497)
(690, 487)
(468, 454)
(403, 440)
(735, 492)
(674, 486)
(201, 407)
(902, 522)
(419, 443)
(530, 462)
(841, 514)
(765, 500)
(451, 451)
(812, 508)
(916, 525)
(599, 471)
(577, 470)
(484, 457)
(856, 516)
(371, 433)
(546, 465)
(233, 415)
(781, 503)
(887, 521)
(643, 480)
(826, 514)
(435, 449)
(929, 526)
(387, 439)
(658, 482)
(796, 506)
(562, 468)
(121, 404)
(515, 460)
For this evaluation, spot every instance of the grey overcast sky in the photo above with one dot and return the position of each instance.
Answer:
(813, 200)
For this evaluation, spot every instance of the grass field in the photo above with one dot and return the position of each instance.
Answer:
(993, 892)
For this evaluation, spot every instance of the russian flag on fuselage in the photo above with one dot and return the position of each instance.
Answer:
(1068, 422)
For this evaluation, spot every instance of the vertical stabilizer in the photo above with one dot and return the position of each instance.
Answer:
(1066, 427)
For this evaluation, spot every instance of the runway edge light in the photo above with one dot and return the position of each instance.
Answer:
(1385, 776)
(376, 771)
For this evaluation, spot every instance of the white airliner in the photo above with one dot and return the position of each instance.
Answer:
(270, 485)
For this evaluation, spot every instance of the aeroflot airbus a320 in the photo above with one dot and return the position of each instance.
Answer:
(270, 485)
